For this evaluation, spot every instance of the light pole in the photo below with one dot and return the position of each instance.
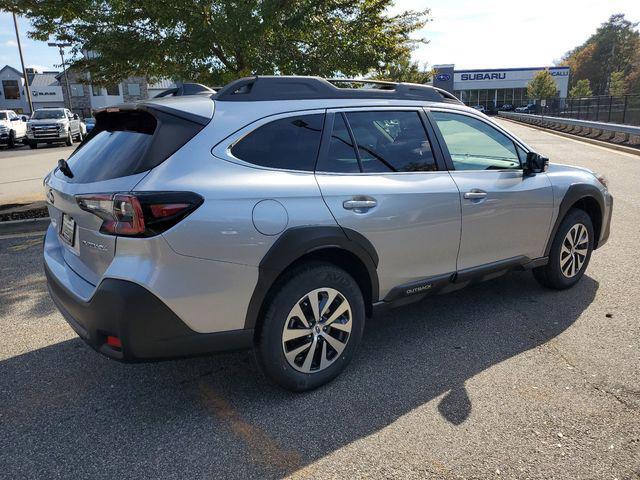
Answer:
(62, 46)
(24, 70)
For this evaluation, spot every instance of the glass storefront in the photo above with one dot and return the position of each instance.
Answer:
(496, 97)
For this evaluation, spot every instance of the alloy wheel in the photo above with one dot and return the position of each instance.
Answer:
(573, 251)
(317, 330)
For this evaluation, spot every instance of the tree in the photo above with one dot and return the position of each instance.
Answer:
(403, 70)
(542, 85)
(581, 89)
(617, 84)
(612, 48)
(214, 41)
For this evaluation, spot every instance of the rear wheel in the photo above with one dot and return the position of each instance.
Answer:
(570, 252)
(312, 327)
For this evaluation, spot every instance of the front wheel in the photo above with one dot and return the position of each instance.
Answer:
(312, 327)
(69, 140)
(570, 252)
(12, 139)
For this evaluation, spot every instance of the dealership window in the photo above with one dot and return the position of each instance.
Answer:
(96, 90)
(11, 89)
(133, 88)
(113, 89)
(77, 90)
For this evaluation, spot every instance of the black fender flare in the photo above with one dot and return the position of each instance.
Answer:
(296, 242)
(575, 193)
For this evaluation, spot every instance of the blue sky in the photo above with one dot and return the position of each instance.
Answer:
(469, 33)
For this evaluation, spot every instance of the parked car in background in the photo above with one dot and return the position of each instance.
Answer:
(480, 108)
(255, 219)
(53, 125)
(506, 107)
(13, 128)
(529, 108)
(89, 123)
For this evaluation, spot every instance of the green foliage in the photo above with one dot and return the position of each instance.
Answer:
(216, 41)
(613, 48)
(617, 84)
(542, 85)
(581, 89)
(404, 70)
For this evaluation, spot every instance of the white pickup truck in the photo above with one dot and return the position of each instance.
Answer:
(13, 129)
(53, 125)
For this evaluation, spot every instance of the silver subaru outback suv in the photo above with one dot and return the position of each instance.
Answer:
(281, 212)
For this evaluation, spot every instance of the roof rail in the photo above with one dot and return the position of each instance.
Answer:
(261, 88)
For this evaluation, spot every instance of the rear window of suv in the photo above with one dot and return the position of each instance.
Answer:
(128, 142)
(290, 143)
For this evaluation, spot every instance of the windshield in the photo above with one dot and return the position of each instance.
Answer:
(47, 114)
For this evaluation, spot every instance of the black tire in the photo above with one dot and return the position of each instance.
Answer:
(69, 141)
(552, 275)
(293, 287)
(12, 139)
(80, 137)
(33, 145)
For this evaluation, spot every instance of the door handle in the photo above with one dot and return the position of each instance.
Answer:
(475, 195)
(359, 205)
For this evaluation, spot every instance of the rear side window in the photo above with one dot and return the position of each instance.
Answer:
(290, 143)
(386, 141)
(128, 142)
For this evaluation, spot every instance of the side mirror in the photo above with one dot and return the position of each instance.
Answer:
(535, 163)
(24, 119)
(75, 116)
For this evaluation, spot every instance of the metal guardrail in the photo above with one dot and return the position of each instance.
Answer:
(560, 122)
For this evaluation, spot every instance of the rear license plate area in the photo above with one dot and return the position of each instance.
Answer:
(68, 229)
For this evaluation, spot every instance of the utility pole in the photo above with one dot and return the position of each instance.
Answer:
(24, 70)
(62, 46)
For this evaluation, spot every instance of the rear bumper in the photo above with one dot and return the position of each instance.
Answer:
(146, 327)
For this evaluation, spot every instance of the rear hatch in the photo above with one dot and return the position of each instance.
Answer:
(125, 144)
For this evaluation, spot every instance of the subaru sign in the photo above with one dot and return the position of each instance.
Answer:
(443, 77)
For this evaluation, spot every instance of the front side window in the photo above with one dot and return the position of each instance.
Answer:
(475, 145)
(289, 143)
(11, 90)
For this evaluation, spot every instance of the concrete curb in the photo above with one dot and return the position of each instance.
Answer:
(593, 141)
(24, 226)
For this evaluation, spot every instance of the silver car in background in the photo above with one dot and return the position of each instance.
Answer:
(281, 212)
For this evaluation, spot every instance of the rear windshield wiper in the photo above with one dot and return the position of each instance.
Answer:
(63, 166)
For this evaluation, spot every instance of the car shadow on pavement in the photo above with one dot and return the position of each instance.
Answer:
(68, 411)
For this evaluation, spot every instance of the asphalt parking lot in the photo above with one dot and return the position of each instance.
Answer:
(22, 170)
(501, 380)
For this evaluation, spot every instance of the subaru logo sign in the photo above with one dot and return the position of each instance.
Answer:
(443, 77)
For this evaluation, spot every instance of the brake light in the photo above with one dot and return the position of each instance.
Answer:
(139, 214)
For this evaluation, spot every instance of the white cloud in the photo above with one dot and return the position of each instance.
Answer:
(502, 33)
(10, 43)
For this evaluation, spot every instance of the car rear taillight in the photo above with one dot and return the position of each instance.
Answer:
(142, 214)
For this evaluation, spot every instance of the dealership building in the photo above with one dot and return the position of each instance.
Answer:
(495, 86)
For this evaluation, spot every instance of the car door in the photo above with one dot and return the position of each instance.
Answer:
(506, 215)
(381, 178)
